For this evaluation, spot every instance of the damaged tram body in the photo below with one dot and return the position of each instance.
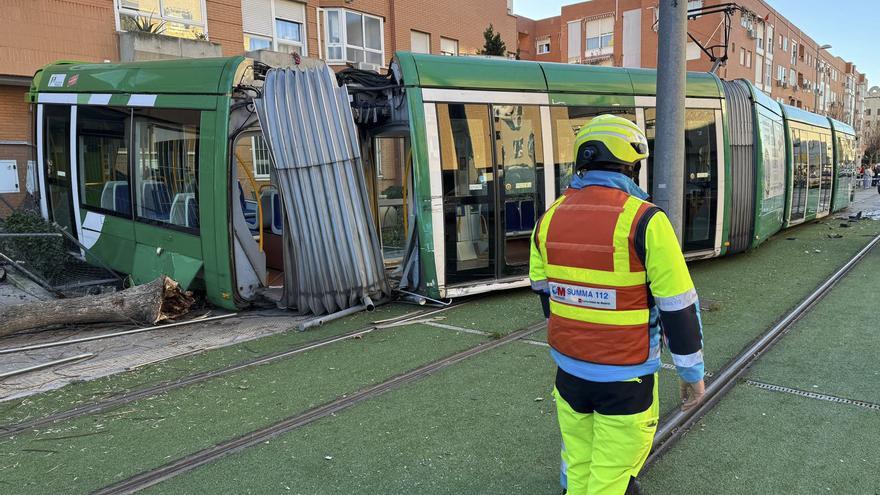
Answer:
(162, 167)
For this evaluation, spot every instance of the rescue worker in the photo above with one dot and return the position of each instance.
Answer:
(612, 279)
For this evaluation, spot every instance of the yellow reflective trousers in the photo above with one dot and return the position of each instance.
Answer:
(601, 452)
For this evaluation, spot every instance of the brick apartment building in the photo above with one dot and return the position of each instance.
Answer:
(366, 33)
(765, 48)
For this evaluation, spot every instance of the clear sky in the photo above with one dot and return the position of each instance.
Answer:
(846, 25)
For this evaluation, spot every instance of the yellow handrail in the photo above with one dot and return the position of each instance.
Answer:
(257, 191)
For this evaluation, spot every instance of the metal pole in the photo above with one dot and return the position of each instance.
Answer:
(671, 76)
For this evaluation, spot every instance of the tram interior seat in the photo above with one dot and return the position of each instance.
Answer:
(156, 200)
(277, 220)
(184, 211)
(116, 196)
(519, 217)
(512, 217)
(249, 208)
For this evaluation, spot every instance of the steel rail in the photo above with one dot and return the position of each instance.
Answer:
(46, 345)
(679, 422)
(167, 386)
(189, 462)
(41, 366)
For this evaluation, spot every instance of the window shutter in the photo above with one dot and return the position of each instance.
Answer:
(291, 11)
(256, 17)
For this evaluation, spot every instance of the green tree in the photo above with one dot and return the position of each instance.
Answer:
(494, 44)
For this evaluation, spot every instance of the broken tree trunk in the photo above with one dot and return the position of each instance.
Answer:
(143, 304)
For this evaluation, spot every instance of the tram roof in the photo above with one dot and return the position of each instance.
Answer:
(198, 76)
(763, 98)
(435, 71)
(801, 115)
(843, 127)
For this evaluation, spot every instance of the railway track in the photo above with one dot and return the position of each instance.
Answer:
(167, 386)
(673, 426)
(187, 463)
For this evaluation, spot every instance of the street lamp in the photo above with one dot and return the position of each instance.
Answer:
(816, 82)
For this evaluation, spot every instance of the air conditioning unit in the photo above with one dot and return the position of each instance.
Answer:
(753, 33)
(366, 66)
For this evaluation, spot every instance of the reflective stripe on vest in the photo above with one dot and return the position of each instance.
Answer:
(599, 308)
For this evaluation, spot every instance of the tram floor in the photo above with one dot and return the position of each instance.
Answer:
(770, 441)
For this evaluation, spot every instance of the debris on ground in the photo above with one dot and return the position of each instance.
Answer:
(151, 303)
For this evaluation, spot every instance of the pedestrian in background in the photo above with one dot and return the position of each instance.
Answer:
(612, 278)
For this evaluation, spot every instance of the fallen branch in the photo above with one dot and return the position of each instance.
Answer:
(145, 304)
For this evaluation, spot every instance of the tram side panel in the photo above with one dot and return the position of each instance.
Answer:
(770, 157)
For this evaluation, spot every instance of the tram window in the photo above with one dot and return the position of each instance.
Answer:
(701, 181)
(567, 121)
(465, 149)
(390, 172)
(102, 147)
(468, 187)
(166, 166)
(773, 147)
(519, 155)
(56, 121)
(826, 172)
(800, 164)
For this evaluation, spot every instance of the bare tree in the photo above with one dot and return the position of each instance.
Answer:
(871, 142)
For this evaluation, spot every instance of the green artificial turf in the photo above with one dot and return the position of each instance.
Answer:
(758, 442)
(87, 453)
(486, 425)
(834, 349)
(78, 393)
(501, 312)
(747, 293)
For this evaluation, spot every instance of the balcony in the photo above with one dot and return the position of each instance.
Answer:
(138, 45)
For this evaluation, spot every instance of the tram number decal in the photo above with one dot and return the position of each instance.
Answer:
(580, 295)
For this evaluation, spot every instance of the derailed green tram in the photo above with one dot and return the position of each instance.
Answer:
(160, 167)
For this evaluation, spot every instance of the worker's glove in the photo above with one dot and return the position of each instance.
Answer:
(691, 394)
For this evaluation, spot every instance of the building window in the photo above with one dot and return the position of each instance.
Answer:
(792, 77)
(448, 47)
(770, 39)
(785, 44)
(166, 147)
(544, 46)
(748, 58)
(794, 52)
(768, 74)
(253, 43)
(868, 112)
(600, 36)
(354, 37)
(419, 42)
(260, 158)
(180, 18)
(289, 36)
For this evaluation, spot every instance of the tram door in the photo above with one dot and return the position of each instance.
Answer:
(492, 179)
(56, 155)
(700, 176)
